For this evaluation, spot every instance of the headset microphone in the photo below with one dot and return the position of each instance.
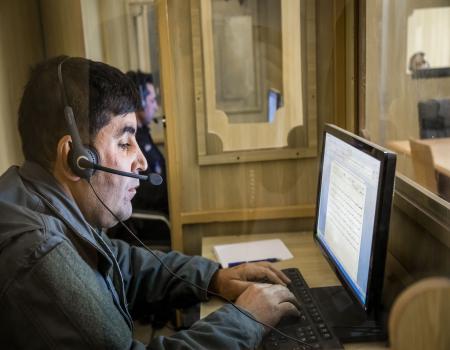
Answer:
(84, 160)
(154, 178)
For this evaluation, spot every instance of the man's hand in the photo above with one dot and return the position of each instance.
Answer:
(232, 282)
(268, 302)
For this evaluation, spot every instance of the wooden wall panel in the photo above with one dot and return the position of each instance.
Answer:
(21, 46)
(419, 239)
(114, 31)
(93, 41)
(266, 184)
(63, 27)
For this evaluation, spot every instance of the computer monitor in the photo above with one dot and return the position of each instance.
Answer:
(274, 101)
(355, 190)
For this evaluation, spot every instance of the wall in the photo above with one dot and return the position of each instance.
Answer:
(62, 27)
(114, 29)
(93, 41)
(21, 46)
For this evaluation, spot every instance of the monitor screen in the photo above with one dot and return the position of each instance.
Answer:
(355, 178)
(273, 103)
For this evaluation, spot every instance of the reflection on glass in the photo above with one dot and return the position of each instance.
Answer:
(247, 57)
(428, 45)
(250, 47)
(409, 116)
(273, 103)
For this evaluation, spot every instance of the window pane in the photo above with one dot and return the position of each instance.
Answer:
(408, 87)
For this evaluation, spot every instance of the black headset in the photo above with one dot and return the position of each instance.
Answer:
(84, 160)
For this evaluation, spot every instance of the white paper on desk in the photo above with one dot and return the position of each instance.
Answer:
(251, 251)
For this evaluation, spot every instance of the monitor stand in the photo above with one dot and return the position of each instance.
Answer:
(349, 321)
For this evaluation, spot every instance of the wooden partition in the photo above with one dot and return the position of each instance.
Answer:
(21, 47)
(62, 26)
(419, 238)
(204, 200)
(266, 195)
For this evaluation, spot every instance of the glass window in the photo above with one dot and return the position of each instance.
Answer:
(408, 87)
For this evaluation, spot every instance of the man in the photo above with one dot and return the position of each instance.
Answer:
(63, 283)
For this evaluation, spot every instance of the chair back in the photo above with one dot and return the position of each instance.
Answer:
(434, 118)
(420, 316)
(423, 164)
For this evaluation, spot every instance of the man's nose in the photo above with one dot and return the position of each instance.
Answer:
(141, 161)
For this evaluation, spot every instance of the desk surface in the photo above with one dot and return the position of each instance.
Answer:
(440, 149)
(307, 258)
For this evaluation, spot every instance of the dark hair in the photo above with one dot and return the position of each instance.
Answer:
(140, 80)
(95, 91)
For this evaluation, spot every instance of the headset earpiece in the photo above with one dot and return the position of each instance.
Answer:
(142, 94)
(90, 154)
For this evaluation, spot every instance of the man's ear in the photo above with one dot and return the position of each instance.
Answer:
(62, 159)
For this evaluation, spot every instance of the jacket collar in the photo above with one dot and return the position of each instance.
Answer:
(51, 192)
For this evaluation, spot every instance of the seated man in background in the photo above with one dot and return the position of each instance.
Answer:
(149, 196)
(63, 283)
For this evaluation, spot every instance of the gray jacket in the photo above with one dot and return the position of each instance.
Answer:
(65, 286)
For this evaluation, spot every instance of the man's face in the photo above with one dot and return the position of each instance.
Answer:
(151, 104)
(118, 149)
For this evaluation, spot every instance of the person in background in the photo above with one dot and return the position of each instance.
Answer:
(417, 61)
(64, 284)
(149, 197)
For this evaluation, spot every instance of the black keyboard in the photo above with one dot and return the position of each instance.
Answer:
(309, 328)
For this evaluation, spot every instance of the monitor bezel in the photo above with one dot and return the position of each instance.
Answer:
(382, 215)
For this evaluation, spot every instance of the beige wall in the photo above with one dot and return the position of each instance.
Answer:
(21, 46)
(62, 27)
(93, 41)
(114, 29)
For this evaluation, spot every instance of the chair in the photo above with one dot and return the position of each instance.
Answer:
(151, 227)
(434, 118)
(423, 164)
(420, 316)
(151, 215)
(424, 170)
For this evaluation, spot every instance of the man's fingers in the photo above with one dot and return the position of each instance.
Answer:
(259, 273)
(273, 277)
(276, 271)
(288, 309)
(280, 274)
(282, 294)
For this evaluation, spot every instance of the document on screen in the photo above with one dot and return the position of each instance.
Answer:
(345, 211)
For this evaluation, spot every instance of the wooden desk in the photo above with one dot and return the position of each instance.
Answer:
(439, 147)
(307, 258)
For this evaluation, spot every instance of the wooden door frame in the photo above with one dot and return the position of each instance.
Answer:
(170, 111)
